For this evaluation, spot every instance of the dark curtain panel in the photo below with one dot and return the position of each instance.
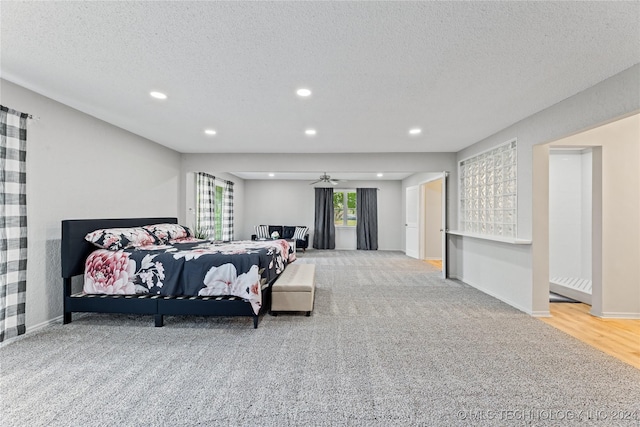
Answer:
(324, 234)
(367, 214)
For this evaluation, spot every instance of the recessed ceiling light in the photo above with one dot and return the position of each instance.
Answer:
(210, 131)
(271, 174)
(310, 132)
(158, 95)
(415, 131)
(303, 92)
(380, 175)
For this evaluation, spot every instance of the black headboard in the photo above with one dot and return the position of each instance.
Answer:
(75, 250)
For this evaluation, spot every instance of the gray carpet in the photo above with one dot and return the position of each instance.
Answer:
(389, 343)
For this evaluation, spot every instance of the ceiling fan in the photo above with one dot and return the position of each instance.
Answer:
(326, 178)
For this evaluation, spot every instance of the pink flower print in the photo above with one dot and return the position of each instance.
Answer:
(109, 272)
(162, 235)
(111, 240)
(186, 240)
(254, 288)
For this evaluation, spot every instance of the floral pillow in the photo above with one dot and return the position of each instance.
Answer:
(121, 238)
(168, 233)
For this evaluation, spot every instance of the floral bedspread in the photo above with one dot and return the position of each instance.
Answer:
(195, 268)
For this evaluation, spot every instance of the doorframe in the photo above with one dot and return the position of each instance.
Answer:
(422, 219)
(406, 222)
(540, 230)
(443, 226)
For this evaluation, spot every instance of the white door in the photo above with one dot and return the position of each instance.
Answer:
(412, 241)
(444, 229)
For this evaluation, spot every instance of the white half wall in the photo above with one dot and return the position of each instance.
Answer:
(495, 268)
(81, 167)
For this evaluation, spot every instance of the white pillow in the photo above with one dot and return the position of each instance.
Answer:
(300, 233)
(262, 231)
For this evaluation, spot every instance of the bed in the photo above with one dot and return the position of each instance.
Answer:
(183, 277)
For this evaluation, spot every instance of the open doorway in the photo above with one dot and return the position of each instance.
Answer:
(615, 209)
(570, 223)
(431, 222)
(426, 220)
(608, 322)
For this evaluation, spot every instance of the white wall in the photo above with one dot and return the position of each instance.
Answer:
(81, 167)
(288, 202)
(569, 239)
(606, 101)
(278, 202)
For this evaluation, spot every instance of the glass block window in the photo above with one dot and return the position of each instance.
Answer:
(488, 192)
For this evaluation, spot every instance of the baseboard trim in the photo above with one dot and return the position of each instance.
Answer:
(541, 313)
(35, 328)
(31, 330)
(44, 324)
(617, 315)
(496, 296)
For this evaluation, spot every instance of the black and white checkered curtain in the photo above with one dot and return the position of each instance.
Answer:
(13, 222)
(227, 211)
(205, 204)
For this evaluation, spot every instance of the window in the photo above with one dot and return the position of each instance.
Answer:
(344, 216)
(209, 207)
(488, 192)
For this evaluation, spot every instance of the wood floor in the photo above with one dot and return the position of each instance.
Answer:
(619, 338)
(435, 262)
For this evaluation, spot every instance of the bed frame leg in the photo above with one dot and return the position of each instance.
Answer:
(66, 283)
(159, 320)
(308, 314)
(255, 321)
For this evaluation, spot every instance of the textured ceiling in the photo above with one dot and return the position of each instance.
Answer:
(459, 70)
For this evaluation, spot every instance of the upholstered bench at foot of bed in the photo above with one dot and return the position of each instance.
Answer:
(294, 289)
